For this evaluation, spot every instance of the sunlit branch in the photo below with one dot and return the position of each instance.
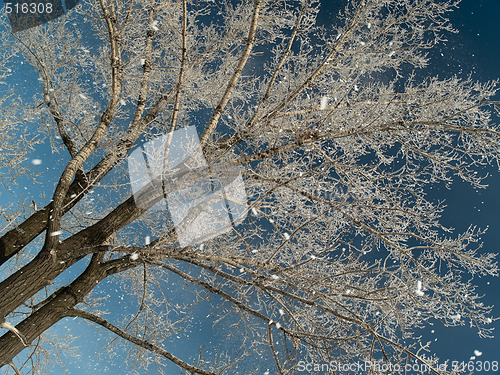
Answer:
(142, 343)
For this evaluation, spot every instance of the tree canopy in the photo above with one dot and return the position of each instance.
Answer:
(278, 167)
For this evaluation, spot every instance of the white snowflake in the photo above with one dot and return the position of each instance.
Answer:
(477, 353)
(147, 240)
(83, 96)
(418, 290)
(456, 317)
(134, 256)
(36, 162)
(323, 103)
(286, 235)
(56, 233)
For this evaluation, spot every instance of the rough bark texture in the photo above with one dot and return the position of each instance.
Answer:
(49, 314)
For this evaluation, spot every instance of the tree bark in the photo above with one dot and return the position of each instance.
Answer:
(53, 311)
(26, 282)
(44, 268)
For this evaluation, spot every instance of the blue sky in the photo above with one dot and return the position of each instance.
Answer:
(474, 50)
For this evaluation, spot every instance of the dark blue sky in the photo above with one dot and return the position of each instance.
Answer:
(474, 50)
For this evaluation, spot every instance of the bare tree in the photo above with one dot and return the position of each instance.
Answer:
(334, 251)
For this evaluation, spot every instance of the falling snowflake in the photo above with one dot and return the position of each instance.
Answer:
(134, 256)
(456, 317)
(154, 26)
(323, 103)
(36, 162)
(477, 353)
(82, 96)
(418, 290)
(281, 311)
(286, 235)
(56, 233)
(122, 102)
(147, 240)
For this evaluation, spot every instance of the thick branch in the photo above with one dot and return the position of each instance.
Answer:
(53, 311)
(209, 129)
(142, 343)
(83, 154)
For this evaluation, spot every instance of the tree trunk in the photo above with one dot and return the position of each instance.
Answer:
(44, 268)
(49, 314)
(29, 280)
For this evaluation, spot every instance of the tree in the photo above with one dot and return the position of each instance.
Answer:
(334, 252)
